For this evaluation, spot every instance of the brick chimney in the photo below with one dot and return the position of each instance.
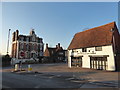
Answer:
(58, 45)
(16, 35)
(46, 45)
(13, 36)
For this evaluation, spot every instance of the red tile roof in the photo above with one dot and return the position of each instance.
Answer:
(97, 36)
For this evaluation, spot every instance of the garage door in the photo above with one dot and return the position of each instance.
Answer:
(76, 61)
(99, 63)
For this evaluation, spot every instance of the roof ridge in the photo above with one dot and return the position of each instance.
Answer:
(98, 27)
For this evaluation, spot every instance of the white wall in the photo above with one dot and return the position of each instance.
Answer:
(86, 61)
(69, 58)
(106, 50)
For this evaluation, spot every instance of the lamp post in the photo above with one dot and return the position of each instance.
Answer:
(8, 41)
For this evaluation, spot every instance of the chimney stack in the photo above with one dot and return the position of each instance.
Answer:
(16, 35)
(58, 45)
(46, 45)
(13, 36)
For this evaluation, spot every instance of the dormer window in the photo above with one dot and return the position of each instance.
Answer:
(33, 38)
(84, 49)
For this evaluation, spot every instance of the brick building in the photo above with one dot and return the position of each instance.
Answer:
(54, 54)
(26, 46)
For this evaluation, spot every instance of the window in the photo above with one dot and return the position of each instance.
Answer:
(84, 49)
(27, 47)
(98, 48)
(27, 39)
(38, 40)
(52, 52)
(33, 38)
(21, 38)
(22, 46)
(33, 47)
(24, 38)
(60, 53)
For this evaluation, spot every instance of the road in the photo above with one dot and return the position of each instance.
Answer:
(45, 79)
(12, 80)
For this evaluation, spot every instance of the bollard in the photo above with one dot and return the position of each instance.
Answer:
(29, 68)
(16, 67)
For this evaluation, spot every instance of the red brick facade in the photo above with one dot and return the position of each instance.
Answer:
(56, 54)
(26, 47)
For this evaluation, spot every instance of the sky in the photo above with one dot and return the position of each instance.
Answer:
(55, 22)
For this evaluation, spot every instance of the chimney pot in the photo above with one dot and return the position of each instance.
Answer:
(58, 45)
(46, 45)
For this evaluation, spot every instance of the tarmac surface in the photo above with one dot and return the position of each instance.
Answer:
(58, 75)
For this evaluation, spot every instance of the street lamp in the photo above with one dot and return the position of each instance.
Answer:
(8, 41)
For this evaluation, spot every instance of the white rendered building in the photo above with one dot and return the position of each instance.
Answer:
(96, 48)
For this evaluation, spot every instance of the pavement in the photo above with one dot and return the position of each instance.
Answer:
(74, 77)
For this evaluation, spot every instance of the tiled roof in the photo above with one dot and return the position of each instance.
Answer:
(97, 36)
(51, 49)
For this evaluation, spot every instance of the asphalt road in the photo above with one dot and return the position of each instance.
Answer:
(13, 80)
(46, 79)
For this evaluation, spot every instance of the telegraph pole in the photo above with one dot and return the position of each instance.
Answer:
(8, 41)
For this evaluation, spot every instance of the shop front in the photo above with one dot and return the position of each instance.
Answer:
(98, 62)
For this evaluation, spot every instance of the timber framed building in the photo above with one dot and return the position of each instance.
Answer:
(96, 48)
